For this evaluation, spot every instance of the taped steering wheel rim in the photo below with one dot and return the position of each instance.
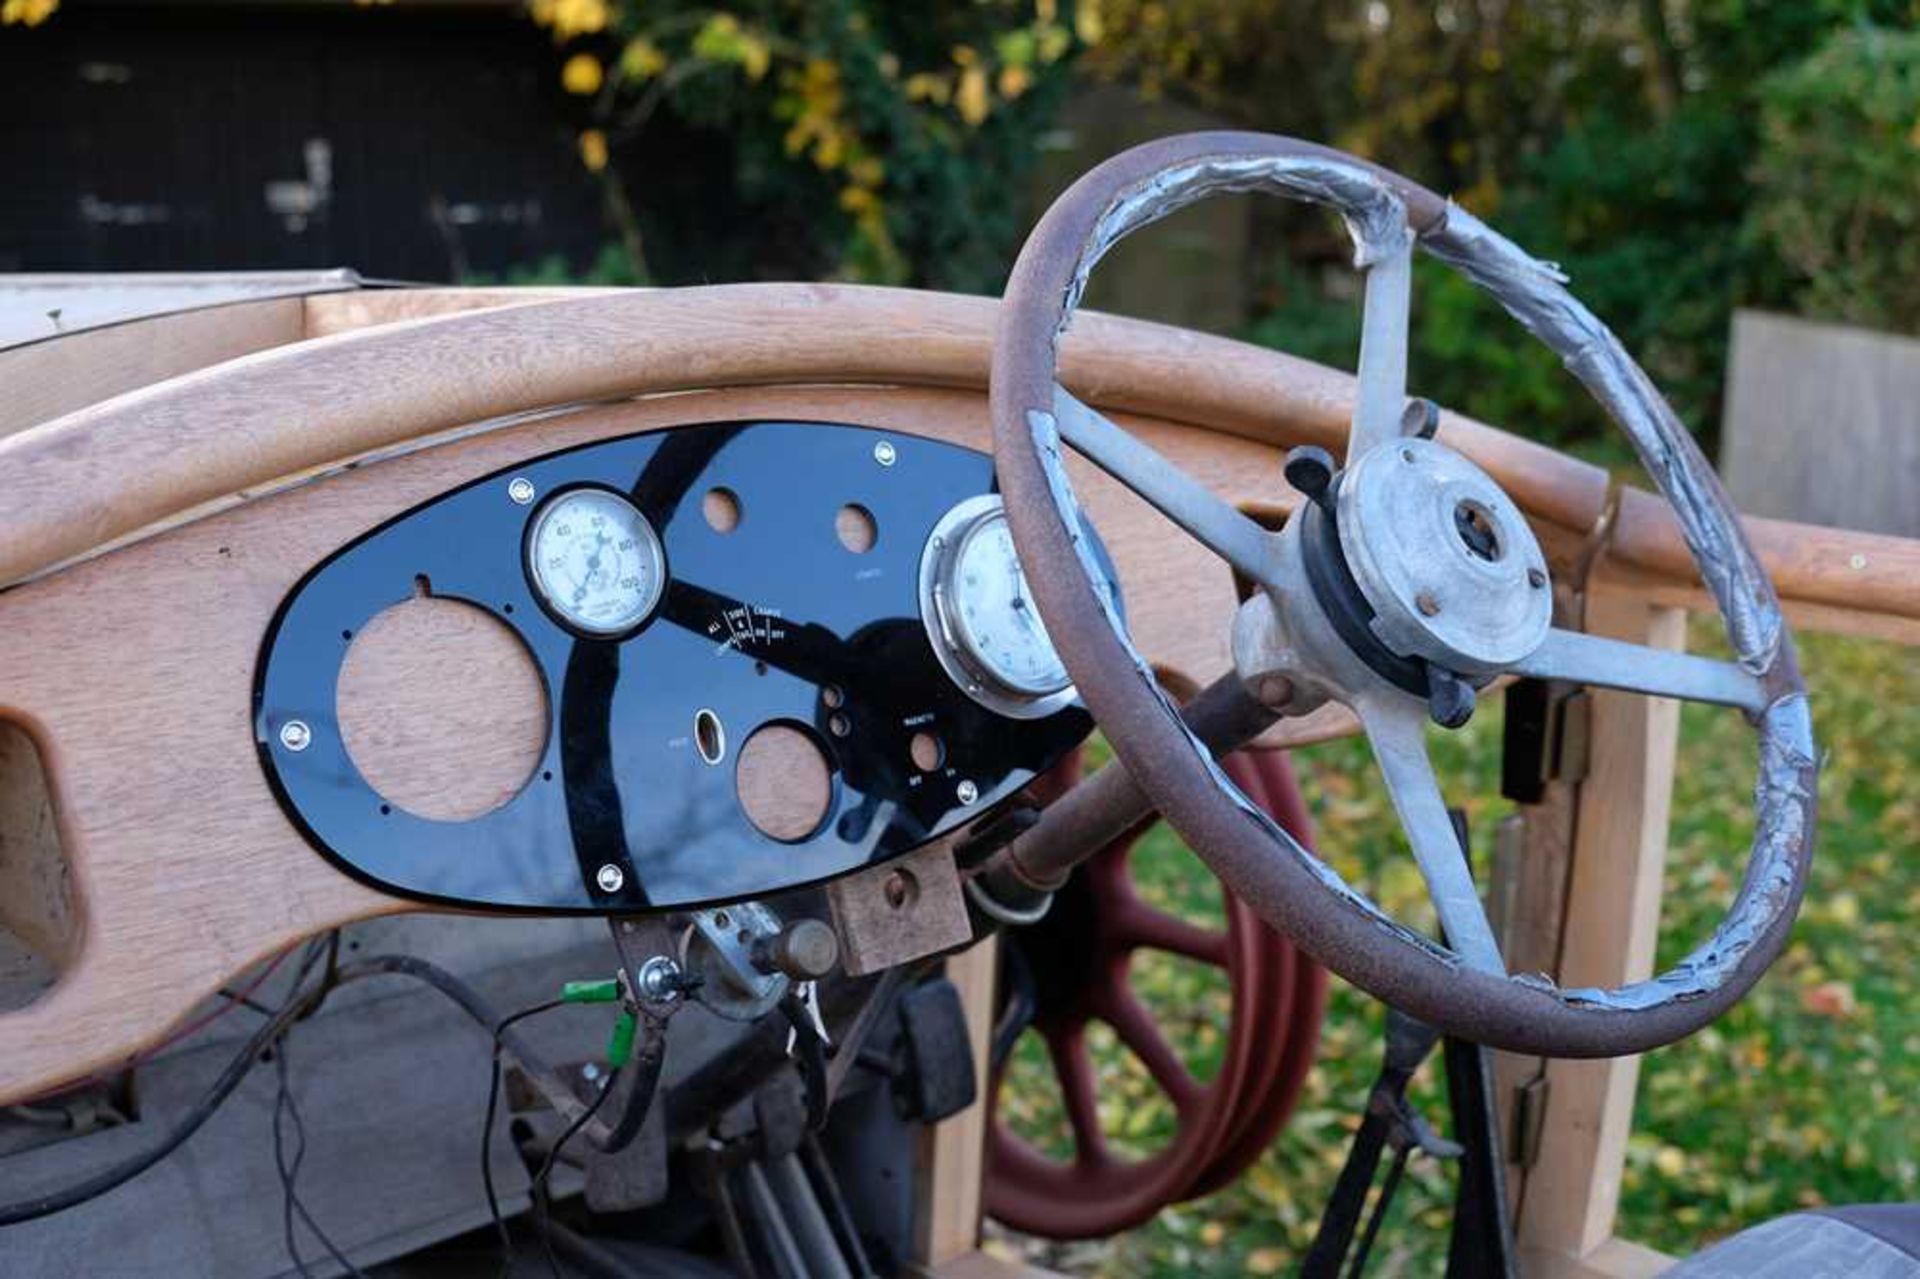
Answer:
(1286, 884)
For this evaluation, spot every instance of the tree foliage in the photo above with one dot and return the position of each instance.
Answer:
(1623, 141)
(1838, 178)
(889, 138)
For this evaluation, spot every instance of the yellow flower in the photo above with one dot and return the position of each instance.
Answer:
(925, 85)
(642, 60)
(27, 13)
(1086, 21)
(972, 98)
(593, 150)
(570, 18)
(582, 74)
(1014, 81)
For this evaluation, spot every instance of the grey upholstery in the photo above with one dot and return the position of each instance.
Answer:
(1861, 1241)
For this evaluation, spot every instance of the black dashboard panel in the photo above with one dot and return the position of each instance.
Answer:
(771, 622)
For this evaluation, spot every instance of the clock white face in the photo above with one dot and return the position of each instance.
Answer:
(994, 618)
(595, 561)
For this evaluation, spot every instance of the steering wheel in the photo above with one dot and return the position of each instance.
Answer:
(1406, 582)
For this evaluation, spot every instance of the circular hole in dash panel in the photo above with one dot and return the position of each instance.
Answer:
(709, 736)
(721, 507)
(442, 709)
(927, 751)
(784, 782)
(855, 527)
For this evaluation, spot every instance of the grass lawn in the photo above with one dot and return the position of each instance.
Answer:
(1803, 1095)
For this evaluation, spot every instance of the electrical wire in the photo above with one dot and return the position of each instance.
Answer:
(644, 1081)
(301, 1003)
(486, 1133)
(291, 1204)
(541, 1198)
(234, 999)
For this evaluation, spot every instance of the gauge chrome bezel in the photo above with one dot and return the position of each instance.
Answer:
(652, 549)
(970, 673)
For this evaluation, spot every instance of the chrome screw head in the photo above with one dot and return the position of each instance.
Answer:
(967, 792)
(610, 878)
(295, 735)
(659, 979)
(883, 453)
(520, 490)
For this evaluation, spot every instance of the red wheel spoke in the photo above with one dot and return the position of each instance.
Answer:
(1074, 1067)
(1137, 1030)
(1142, 925)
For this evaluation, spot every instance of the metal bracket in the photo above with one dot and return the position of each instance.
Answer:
(1530, 1118)
(902, 910)
(651, 970)
(1545, 739)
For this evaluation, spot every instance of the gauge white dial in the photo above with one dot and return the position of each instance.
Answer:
(998, 623)
(986, 630)
(595, 561)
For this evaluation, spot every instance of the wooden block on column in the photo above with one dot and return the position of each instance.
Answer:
(1612, 920)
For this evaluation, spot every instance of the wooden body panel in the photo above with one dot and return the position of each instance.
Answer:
(47, 378)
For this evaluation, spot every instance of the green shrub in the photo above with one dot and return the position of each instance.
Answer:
(1837, 182)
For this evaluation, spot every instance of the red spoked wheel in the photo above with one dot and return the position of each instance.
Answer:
(1077, 961)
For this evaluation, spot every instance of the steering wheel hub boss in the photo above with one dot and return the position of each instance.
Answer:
(1445, 559)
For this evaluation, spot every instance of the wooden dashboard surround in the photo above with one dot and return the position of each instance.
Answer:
(146, 541)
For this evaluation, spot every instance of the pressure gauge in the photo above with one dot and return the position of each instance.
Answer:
(985, 628)
(595, 561)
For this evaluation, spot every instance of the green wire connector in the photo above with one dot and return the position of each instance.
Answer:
(591, 992)
(620, 1042)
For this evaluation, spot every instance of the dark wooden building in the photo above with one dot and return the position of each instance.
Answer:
(421, 142)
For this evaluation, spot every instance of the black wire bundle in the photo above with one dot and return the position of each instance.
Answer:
(303, 1002)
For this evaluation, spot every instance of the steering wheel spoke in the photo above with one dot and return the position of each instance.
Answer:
(1380, 399)
(1397, 733)
(1658, 672)
(1216, 525)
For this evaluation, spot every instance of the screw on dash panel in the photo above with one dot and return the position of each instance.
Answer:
(610, 878)
(295, 735)
(966, 792)
(883, 453)
(520, 490)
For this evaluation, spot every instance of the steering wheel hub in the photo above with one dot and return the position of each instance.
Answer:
(1445, 559)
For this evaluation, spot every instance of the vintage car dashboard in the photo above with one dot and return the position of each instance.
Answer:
(842, 601)
(304, 511)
